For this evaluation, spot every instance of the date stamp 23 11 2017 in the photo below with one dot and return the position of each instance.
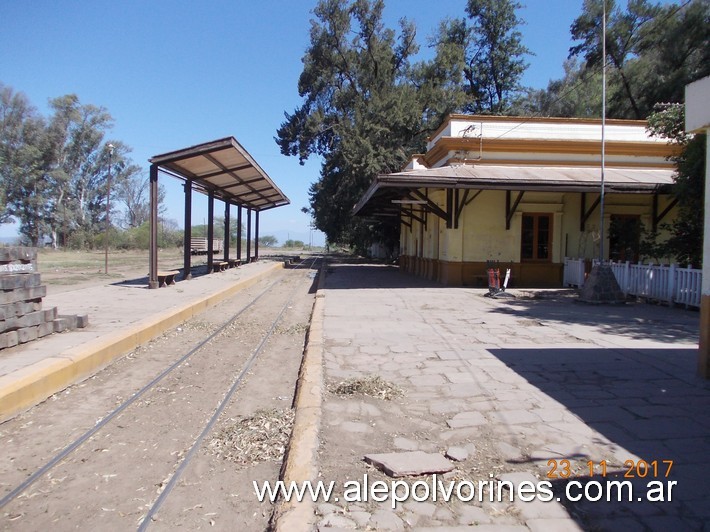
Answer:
(560, 469)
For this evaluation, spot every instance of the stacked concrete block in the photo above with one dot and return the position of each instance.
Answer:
(22, 318)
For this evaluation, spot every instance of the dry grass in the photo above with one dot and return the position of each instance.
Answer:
(260, 437)
(371, 385)
(82, 262)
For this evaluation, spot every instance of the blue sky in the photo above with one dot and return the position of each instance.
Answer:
(174, 73)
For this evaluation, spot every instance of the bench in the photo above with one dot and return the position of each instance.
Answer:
(167, 278)
(219, 266)
(235, 263)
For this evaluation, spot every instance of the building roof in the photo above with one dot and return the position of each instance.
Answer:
(225, 168)
(398, 186)
(521, 154)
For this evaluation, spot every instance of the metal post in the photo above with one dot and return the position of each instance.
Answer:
(153, 266)
(108, 207)
(248, 235)
(187, 245)
(226, 230)
(256, 236)
(239, 232)
(210, 230)
(601, 199)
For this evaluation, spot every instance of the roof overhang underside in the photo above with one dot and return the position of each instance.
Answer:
(226, 169)
(388, 191)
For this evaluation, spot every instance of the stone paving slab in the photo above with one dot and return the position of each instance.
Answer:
(411, 463)
(521, 384)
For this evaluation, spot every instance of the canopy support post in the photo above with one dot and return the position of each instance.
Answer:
(187, 244)
(153, 258)
(239, 233)
(226, 231)
(256, 235)
(248, 235)
(210, 230)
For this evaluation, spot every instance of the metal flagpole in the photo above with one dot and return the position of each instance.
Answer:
(601, 199)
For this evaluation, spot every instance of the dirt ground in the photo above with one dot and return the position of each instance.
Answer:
(71, 270)
(111, 481)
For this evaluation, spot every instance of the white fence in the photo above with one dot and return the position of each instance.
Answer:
(671, 284)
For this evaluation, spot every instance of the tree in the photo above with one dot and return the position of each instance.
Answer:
(78, 165)
(268, 241)
(673, 52)
(294, 244)
(23, 164)
(132, 191)
(486, 53)
(653, 51)
(686, 240)
(54, 172)
(578, 94)
(360, 111)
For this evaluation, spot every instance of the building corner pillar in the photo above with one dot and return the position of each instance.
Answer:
(697, 120)
(704, 343)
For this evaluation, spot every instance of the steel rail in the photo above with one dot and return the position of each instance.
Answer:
(59, 457)
(147, 519)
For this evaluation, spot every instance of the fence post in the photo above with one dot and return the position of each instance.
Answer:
(692, 288)
(671, 285)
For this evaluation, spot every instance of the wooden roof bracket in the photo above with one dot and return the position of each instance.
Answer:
(510, 211)
(413, 216)
(433, 207)
(658, 217)
(463, 203)
(584, 212)
(449, 208)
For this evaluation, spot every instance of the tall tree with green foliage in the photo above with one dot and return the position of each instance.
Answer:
(686, 240)
(653, 51)
(54, 172)
(22, 164)
(361, 114)
(578, 94)
(79, 166)
(485, 51)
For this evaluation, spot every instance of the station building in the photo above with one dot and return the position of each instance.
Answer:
(525, 192)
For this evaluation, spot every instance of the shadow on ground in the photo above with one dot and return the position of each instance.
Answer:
(347, 274)
(646, 401)
(633, 320)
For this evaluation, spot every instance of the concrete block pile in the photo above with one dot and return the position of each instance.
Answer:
(22, 318)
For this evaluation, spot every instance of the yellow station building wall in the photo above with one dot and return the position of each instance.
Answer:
(459, 256)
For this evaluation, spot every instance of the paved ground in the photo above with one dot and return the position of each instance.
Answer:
(511, 383)
(515, 383)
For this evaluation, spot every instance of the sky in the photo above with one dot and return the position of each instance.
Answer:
(175, 73)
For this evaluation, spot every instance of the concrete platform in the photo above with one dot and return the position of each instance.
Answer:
(518, 382)
(121, 316)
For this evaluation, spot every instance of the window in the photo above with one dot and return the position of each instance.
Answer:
(536, 237)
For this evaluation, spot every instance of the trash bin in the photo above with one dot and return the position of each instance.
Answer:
(493, 277)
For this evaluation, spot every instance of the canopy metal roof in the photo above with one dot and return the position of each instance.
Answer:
(383, 196)
(225, 168)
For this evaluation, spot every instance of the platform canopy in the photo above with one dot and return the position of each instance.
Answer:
(223, 170)
(389, 191)
(226, 169)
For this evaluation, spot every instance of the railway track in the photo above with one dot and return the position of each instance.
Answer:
(143, 462)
